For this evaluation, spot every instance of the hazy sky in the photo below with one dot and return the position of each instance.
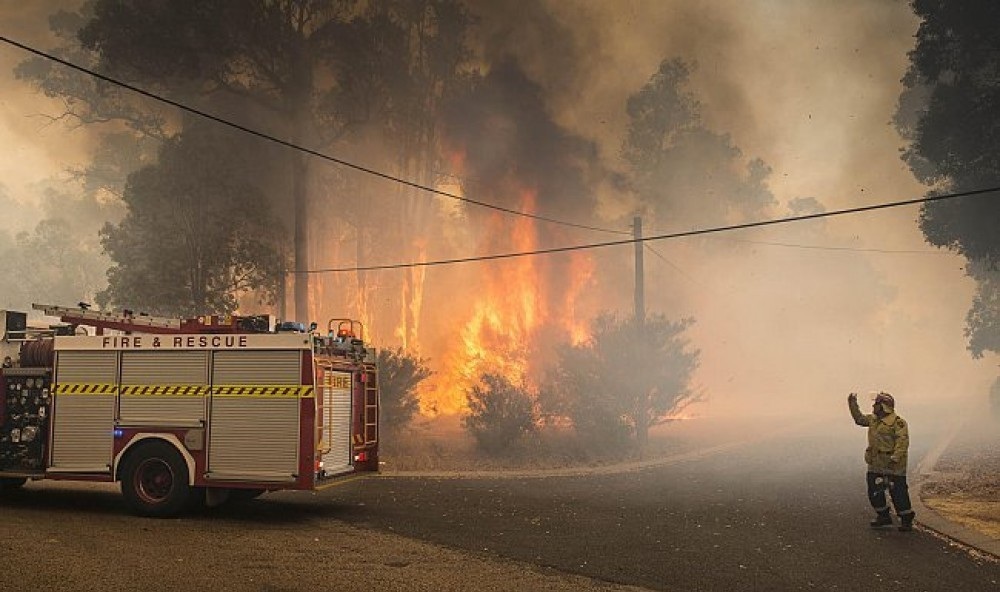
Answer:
(810, 87)
(34, 148)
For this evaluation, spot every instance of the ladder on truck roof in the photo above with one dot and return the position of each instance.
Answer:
(127, 320)
(100, 319)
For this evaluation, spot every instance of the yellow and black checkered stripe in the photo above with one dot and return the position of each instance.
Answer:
(263, 391)
(182, 390)
(164, 390)
(81, 388)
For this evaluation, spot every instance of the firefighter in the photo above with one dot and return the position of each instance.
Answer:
(888, 441)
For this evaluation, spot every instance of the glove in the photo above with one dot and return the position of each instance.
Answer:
(852, 397)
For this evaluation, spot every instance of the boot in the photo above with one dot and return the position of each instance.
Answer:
(907, 522)
(883, 519)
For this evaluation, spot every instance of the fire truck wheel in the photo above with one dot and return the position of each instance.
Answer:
(155, 481)
(196, 502)
(12, 482)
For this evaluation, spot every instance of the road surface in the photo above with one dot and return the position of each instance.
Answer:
(784, 513)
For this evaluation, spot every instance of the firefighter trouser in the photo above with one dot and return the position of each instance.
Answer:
(898, 491)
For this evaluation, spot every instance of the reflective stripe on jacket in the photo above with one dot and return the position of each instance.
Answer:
(888, 441)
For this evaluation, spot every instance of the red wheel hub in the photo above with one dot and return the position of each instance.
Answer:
(153, 480)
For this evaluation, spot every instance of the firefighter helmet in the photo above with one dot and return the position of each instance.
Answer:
(886, 400)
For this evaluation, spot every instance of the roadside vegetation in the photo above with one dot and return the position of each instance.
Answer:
(599, 403)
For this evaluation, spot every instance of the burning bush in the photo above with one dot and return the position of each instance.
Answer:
(500, 413)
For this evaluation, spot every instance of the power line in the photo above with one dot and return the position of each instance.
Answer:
(687, 233)
(837, 248)
(442, 193)
(687, 276)
(670, 263)
(292, 145)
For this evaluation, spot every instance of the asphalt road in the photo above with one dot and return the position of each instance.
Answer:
(788, 513)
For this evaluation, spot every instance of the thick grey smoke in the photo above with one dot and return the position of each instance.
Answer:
(808, 86)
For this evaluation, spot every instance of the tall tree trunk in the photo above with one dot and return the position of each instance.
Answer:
(301, 261)
(300, 117)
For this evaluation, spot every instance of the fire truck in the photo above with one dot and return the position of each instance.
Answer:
(185, 412)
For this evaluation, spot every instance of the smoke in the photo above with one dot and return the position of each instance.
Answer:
(36, 147)
(506, 134)
(808, 87)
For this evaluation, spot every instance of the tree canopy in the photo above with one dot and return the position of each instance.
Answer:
(950, 113)
(195, 236)
(54, 261)
(680, 169)
(399, 375)
(313, 72)
(629, 377)
(267, 53)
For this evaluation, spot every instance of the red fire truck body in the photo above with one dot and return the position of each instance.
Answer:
(188, 411)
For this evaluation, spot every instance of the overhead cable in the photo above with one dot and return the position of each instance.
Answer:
(294, 146)
(839, 248)
(412, 184)
(686, 233)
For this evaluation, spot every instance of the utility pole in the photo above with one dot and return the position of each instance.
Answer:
(642, 412)
(640, 299)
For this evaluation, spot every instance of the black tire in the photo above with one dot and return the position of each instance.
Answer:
(154, 481)
(10, 483)
(196, 501)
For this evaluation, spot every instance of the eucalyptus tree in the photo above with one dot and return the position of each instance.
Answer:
(949, 112)
(629, 377)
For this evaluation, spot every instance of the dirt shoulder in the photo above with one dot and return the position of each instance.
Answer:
(964, 485)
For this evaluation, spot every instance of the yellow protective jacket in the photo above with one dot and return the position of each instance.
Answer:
(888, 441)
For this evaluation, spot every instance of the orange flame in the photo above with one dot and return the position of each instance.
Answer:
(503, 317)
(514, 301)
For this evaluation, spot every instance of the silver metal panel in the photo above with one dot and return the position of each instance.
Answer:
(158, 368)
(86, 367)
(165, 367)
(162, 410)
(82, 432)
(254, 437)
(336, 393)
(257, 367)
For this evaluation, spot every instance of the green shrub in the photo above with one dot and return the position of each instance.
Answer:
(399, 374)
(500, 414)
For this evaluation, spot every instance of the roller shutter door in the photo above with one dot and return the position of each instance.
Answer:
(336, 445)
(254, 435)
(165, 388)
(257, 367)
(87, 367)
(84, 410)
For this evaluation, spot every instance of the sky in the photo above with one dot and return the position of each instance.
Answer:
(808, 86)
(35, 148)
